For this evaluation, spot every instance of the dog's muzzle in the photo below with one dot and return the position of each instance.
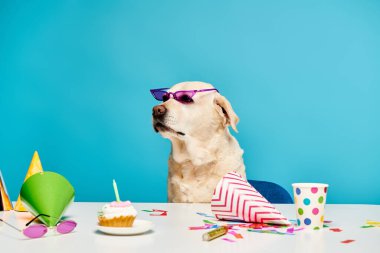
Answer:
(159, 112)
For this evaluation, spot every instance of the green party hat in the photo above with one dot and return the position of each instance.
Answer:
(47, 193)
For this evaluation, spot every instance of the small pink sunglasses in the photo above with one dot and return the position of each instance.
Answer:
(39, 230)
(182, 96)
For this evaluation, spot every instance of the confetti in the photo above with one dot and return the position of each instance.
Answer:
(336, 229)
(206, 226)
(290, 230)
(206, 215)
(267, 232)
(367, 226)
(373, 223)
(153, 212)
(208, 222)
(260, 225)
(200, 227)
(235, 229)
(159, 214)
(228, 240)
(237, 235)
(347, 241)
(327, 221)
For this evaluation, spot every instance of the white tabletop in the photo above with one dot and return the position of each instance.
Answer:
(171, 233)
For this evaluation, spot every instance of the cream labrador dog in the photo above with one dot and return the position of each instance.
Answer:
(195, 118)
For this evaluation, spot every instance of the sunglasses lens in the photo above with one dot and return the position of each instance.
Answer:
(165, 97)
(66, 226)
(159, 95)
(185, 96)
(35, 231)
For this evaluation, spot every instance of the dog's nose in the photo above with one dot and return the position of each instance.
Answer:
(159, 110)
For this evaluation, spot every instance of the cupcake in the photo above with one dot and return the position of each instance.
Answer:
(117, 214)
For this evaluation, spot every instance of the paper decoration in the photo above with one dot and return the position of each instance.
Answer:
(5, 203)
(373, 223)
(235, 199)
(206, 215)
(237, 235)
(156, 212)
(336, 230)
(34, 167)
(347, 241)
(238, 229)
(47, 193)
(228, 240)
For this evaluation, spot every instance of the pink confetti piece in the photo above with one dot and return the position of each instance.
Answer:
(228, 240)
(347, 241)
(336, 229)
(290, 230)
(327, 221)
(200, 227)
(159, 214)
(153, 212)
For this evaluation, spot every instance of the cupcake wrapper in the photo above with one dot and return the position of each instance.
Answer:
(121, 221)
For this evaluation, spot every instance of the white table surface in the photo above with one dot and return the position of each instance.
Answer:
(171, 233)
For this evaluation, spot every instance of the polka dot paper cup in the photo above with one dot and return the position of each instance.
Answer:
(310, 199)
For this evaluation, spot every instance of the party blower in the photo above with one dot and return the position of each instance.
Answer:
(47, 193)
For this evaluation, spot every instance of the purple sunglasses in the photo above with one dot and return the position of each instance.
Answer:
(39, 230)
(182, 96)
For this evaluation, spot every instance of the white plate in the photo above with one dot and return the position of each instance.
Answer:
(139, 227)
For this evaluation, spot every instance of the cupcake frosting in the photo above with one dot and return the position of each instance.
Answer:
(117, 209)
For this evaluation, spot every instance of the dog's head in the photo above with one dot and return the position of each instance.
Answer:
(197, 116)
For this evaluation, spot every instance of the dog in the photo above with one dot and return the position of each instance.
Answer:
(203, 150)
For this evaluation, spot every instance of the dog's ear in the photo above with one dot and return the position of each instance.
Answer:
(225, 110)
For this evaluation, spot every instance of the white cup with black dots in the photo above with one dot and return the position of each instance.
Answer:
(310, 200)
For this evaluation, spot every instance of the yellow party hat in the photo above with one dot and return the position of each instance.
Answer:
(5, 203)
(34, 167)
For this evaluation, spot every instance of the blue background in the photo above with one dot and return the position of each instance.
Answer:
(304, 77)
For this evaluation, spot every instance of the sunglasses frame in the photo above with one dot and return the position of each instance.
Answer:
(174, 94)
(28, 226)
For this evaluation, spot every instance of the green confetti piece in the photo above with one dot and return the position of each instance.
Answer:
(148, 211)
(208, 222)
(367, 226)
(325, 226)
